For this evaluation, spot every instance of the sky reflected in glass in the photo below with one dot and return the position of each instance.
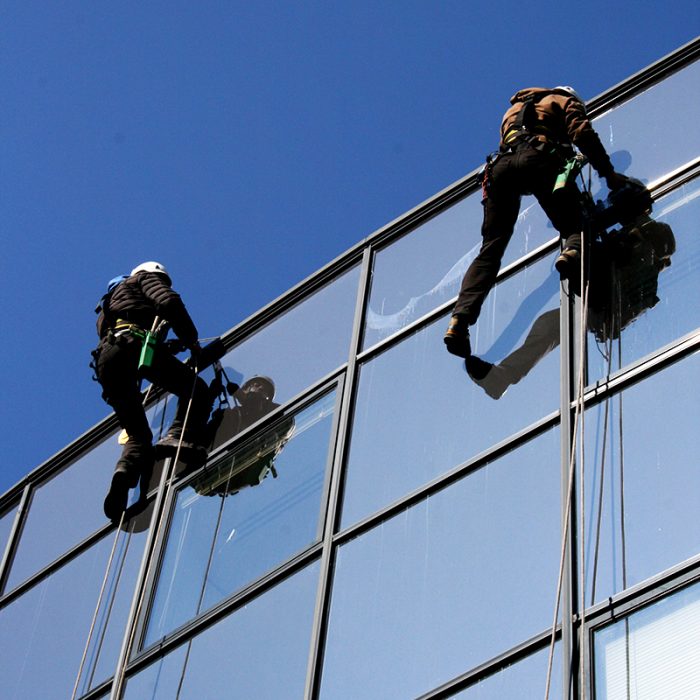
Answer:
(645, 138)
(44, 632)
(644, 466)
(449, 583)
(302, 346)
(249, 513)
(74, 499)
(419, 414)
(259, 651)
(524, 679)
(403, 291)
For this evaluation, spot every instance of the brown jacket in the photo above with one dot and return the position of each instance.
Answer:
(560, 118)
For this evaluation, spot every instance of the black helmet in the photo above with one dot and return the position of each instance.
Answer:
(258, 384)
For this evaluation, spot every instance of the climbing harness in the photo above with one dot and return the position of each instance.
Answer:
(570, 172)
(149, 339)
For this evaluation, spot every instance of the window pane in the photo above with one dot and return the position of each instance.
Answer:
(302, 346)
(418, 413)
(74, 499)
(655, 132)
(44, 632)
(403, 291)
(647, 465)
(653, 653)
(259, 651)
(524, 679)
(449, 583)
(640, 286)
(251, 511)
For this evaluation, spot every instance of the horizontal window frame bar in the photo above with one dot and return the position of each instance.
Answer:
(189, 630)
(509, 270)
(493, 666)
(450, 477)
(666, 66)
(627, 602)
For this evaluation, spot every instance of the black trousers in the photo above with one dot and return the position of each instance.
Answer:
(117, 371)
(526, 170)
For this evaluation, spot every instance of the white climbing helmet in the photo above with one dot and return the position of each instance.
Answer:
(151, 266)
(570, 91)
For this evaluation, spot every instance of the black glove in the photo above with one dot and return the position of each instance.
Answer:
(616, 180)
(195, 353)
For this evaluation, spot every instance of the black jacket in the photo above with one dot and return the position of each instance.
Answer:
(142, 297)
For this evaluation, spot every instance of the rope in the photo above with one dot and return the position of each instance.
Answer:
(97, 608)
(170, 470)
(201, 593)
(623, 536)
(582, 480)
(578, 411)
(601, 488)
(110, 561)
(98, 649)
(567, 516)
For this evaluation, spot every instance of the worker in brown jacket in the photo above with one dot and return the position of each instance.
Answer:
(538, 134)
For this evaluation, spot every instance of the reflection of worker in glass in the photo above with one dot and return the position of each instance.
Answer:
(253, 400)
(625, 267)
(250, 465)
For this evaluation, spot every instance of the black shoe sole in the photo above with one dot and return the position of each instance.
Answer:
(458, 347)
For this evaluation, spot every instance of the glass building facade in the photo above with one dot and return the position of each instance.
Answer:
(385, 526)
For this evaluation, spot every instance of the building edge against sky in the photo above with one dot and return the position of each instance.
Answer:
(367, 531)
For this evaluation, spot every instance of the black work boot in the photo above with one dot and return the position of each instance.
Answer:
(457, 337)
(117, 496)
(190, 451)
(568, 263)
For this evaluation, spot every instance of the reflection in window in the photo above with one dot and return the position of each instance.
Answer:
(525, 679)
(655, 132)
(403, 291)
(259, 651)
(44, 632)
(418, 413)
(303, 345)
(649, 293)
(652, 653)
(74, 499)
(449, 583)
(643, 480)
(247, 514)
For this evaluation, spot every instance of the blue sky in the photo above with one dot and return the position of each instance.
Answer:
(245, 145)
